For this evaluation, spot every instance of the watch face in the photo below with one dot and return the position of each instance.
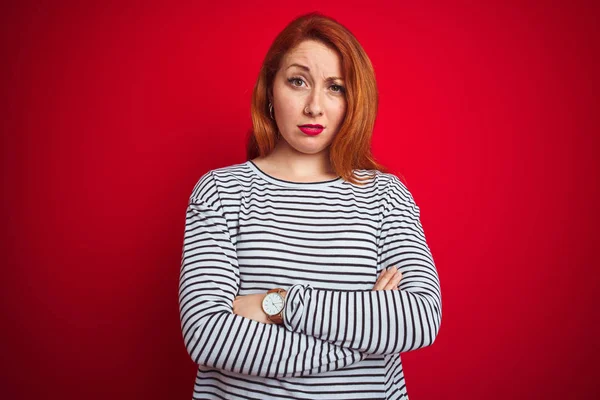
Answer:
(272, 303)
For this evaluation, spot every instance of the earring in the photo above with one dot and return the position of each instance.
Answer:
(271, 110)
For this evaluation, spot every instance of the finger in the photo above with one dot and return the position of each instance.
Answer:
(378, 284)
(389, 276)
(386, 278)
(394, 280)
(379, 278)
(393, 283)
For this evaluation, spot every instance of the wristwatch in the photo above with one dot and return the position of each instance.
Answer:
(273, 305)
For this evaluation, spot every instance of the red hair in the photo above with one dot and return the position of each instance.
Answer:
(351, 147)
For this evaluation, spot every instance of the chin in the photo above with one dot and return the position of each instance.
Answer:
(311, 150)
(316, 144)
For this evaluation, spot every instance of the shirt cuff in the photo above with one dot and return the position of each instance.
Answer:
(294, 307)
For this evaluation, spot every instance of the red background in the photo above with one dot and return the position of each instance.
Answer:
(112, 111)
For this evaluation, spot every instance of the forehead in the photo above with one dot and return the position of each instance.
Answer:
(314, 55)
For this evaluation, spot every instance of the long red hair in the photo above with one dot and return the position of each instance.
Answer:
(351, 147)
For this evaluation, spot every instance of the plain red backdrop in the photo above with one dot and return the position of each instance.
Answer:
(113, 110)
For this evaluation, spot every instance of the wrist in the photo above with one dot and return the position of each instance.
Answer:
(273, 305)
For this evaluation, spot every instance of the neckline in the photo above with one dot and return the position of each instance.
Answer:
(282, 182)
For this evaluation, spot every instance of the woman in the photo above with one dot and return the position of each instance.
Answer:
(292, 261)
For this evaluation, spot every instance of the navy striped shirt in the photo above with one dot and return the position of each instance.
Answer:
(326, 243)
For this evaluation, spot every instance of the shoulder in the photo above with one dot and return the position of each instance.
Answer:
(395, 193)
(230, 171)
(209, 184)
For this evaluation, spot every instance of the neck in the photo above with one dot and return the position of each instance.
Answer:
(290, 162)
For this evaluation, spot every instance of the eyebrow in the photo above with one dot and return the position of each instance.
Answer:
(304, 67)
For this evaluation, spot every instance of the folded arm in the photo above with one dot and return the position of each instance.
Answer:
(378, 321)
(214, 336)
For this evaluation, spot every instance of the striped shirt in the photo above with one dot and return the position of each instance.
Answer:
(325, 243)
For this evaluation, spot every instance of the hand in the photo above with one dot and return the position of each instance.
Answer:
(388, 279)
(250, 306)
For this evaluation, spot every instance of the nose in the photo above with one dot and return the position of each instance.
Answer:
(315, 104)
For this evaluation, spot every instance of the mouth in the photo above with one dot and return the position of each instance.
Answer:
(312, 126)
(311, 129)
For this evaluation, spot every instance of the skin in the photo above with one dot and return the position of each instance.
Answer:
(298, 157)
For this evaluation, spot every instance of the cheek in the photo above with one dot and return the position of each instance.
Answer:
(338, 112)
(287, 109)
(286, 104)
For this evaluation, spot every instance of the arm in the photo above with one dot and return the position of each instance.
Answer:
(382, 321)
(213, 335)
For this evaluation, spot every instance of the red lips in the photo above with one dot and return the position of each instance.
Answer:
(311, 130)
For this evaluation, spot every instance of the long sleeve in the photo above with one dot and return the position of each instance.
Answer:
(209, 281)
(379, 321)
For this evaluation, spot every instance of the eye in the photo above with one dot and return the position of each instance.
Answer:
(295, 79)
(340, 89)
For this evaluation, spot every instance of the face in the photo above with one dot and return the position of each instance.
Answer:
(305, 80)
